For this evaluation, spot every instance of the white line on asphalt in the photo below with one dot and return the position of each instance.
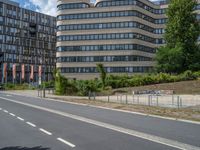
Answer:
(45, 131)
(0, 108)
(31, 124)
(101, 107)
(66, 142)
(12, 114)
(20, 118)
(149, 137)
(5, 111)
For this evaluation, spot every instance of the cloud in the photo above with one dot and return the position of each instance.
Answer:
(45, 6)
(27, 5)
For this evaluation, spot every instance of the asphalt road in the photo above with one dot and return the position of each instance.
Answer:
(28, 123)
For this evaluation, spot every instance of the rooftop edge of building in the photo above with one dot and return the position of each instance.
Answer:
(10, 2)
(157, 2)
(94, 3)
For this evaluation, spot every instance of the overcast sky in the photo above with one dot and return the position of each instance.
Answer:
(43, 6)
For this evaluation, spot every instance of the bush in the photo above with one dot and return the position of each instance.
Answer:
(86, 86)
(11, 86)
(49, 84)
(83, 87)
(140, 80)
(197, 74)
(60, 84)
(188, 75)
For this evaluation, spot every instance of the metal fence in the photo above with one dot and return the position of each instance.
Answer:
(173, 101)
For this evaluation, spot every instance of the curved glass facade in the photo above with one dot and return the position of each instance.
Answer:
(108, 47)
(109, 32)
(102, 58)
(111, 25)
(109, 14)
(72, 6)
(109, 36)
(129, 69)
(130, 2)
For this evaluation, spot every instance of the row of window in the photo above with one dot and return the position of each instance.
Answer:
(107, 69)
(110, 36)
(26, 25)
(26, 15)
(102, 58)
(15, 58)
(15, 49)
(130, 24)
(131, 2)
(26, 42)
(111, 47)
(111, 14)
(72, 6)
(112, 3)
(116, 3)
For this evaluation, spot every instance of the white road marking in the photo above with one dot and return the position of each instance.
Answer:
(12, 114)
(8, 95)
(31, 124)
(145, 136)
(45, 131)
(20, 118)
(101, 107)
(0, 108)
(5, 111)
(66, 142)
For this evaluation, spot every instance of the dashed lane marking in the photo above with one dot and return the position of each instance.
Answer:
(135, 133)
(31, 124)
(66, 142)
(20, 118)
(42, 130)
(45, 131)
(12, 114)
(5, 111)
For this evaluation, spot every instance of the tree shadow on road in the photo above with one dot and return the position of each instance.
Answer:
(24, 148)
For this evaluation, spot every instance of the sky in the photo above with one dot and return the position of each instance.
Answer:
(44, 6)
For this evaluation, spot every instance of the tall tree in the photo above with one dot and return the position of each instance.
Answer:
(181, 36)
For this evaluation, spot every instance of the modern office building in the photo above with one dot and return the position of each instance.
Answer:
(27, 44)
(121, 34)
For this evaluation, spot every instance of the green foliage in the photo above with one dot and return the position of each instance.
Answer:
(49, 84)
(182, 26)
(83, 87)
(170, 60)
(71, 88)
(103, 74)
(181, 52)
(86, 86)
(60, 84)
(140, 80)
(11, 86)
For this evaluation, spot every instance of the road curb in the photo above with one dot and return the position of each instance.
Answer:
(118, 110)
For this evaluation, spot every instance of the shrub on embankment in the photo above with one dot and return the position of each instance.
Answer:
(83, 87)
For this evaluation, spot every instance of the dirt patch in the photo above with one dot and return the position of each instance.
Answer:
(184, 87)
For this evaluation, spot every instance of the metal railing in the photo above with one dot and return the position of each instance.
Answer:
(172, 101)
(42, 92)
